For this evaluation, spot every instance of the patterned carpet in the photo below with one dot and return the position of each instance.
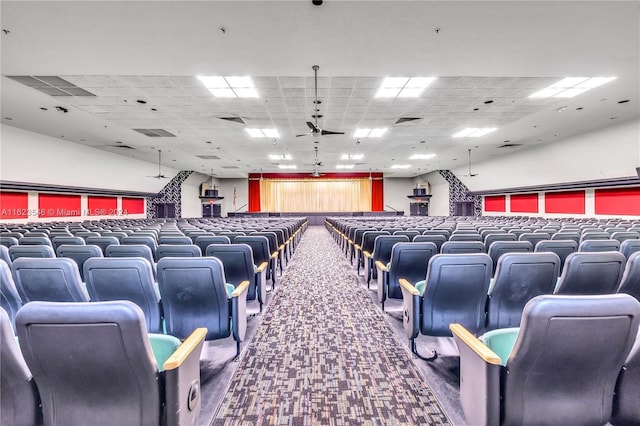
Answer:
(324, 354)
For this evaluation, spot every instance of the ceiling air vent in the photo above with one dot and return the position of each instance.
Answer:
(155, 133)
(122, 146)
(51, 85)
(510, 145)
(208, 157)
(230, 167)
(238, 120)
(404, 120)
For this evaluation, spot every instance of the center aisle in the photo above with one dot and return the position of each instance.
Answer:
(324, 354)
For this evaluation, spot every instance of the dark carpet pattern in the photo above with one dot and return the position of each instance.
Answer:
(324, 354)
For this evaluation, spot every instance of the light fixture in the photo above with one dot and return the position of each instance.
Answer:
(474, 132)
(369, 133)
(345, 166)
(229, 87)
(280, 157)
(263, 133)
(421, 156)
(287, 166)
(571, 86)
(404, 87)
(400, 166)
(352, 156)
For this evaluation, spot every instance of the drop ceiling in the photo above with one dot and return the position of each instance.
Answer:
(140, 59)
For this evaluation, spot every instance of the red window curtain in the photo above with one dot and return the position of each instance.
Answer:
(377, 194)
(254, 193)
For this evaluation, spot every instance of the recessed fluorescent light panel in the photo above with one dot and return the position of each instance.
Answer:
(287, 166)
(263, 133)
(229, 87)
(403, 87)
(401, 166)
(345, 166)
(280, 157)
(571, 86)
(421, 156)
(474, 132)
(352, 156)
(369, 133)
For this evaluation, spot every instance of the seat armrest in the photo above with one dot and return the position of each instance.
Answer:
(239, 311)
(367, 254)
(261, 282)
(411, 308)
(479, 378)
(182, 381)
(274, 255)
(381, 266)
(262, 267)
(382, 281)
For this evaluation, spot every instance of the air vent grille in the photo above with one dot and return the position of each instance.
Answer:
(233, 119)
(208, 157)
(510, 145)
(122, 146)
(51, 85)
(155, 133)
(230, 167)
(402, 120)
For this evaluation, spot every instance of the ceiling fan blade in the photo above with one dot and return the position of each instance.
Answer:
(312, 126)
(304, 134)
(329, 132)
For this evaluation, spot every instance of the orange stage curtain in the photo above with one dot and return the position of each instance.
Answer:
(315, 195)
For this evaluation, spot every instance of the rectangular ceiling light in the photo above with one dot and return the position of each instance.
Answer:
(280, 157)
(352, 156)
(421, 156)
(263, 133)
(287, 166)
(369, 133)
(229, 87)
(570, 87)
(404, 87)
(401, 166)
(474, 132)
(344, 166)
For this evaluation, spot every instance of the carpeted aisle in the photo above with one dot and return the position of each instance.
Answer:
(324, 354)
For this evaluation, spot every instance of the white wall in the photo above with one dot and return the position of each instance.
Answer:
(612, 152)
(225, 189)
(36, 158)
(190, 191)
(395, 193)
(439, 187)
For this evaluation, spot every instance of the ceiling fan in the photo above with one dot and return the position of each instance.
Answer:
(313, 127)
(470, 174)
(316, 165)
(159, 175)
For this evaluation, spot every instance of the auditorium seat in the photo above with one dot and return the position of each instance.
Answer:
(559, 368)
(94, 363)
(533, 237)
(132, 251)
(103, 242)
(630, 281)
(10, 300)
(174, 240)
(454, 291)
(368, 241)
(8, 241)
(4, 255)
(79, 254)
(178, 250)
(562, 248)
(591, 273)
(465, 237)
(499, 248)
(145, 240)
(599, 245)
(34, 251)
(35, 241)
(594, 235)
(489, 238)
(204, 302)
(408, 261)
(20, 402)
(628, 247)
(273, 249)
(125, 278)
(381, 255)
(519, 277)
(622, 236)
(85, 234)
(53, 280)
(462, 247)
(203, 241)
(445, 233)
(626, 404)
(575, 236)
(58, 241)
(260, 249)
(239, 267)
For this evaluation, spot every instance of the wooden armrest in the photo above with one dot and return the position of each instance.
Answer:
(409, 287)
(242, 287)
(357, 246)
(281, 247)
(262, 267)
(184, 350)
(475, 345)
(367, 254)
(274, 255)
(381, 265)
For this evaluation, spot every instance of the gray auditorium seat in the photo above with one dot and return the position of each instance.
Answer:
(145, 240)
(4, 255)
(599, 245)
(519, 277)
(103, 242)
(366, 250)
(594, 235)
(53, 280)
(462, 247)
(8, 241)
(381, 255)
(499, 248)
(261, 254)
(493, 237)
(58, 241)
(575, 236)
(562, 248)
(438, 240)
(465, 237)
(628, 247)
(178, 250)
(408, 261)
(623, 236)
(204, 240)
(174, 240)
(125, 278)
(559, 368)
(204, 302)
(133, 250)
(28, 241)
(626, 406)
(454, 291)
(79, 254)
(630, 281)
(94, 364)
(20, 402)
(591, 273)
(10, 300)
